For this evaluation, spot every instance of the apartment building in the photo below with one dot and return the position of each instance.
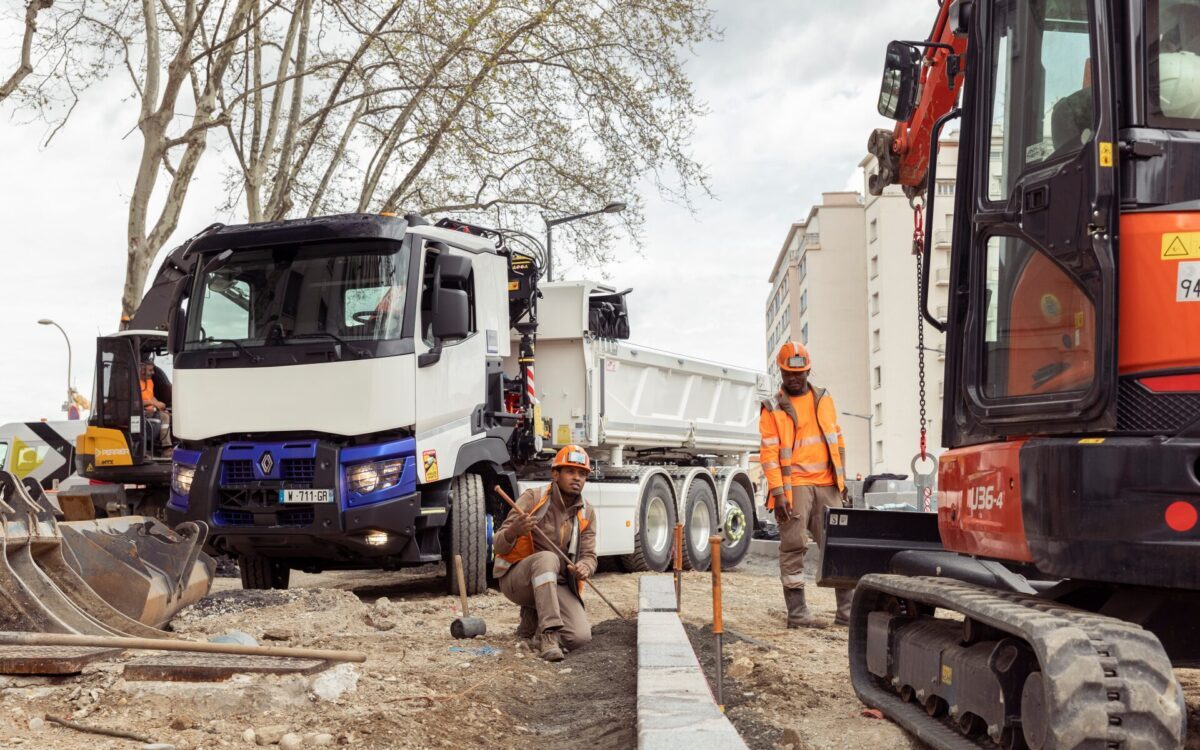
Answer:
(891, 291)
(817, 298)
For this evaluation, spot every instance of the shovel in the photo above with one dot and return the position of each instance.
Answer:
(465, 627)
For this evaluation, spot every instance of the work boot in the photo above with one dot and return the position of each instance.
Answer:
(845, 597)
(528, 625)
(799, 615)
(551, 647)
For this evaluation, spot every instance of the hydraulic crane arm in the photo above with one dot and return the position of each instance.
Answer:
(904, 152)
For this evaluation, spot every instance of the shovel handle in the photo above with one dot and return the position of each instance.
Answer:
(462, 583)
(554, 547)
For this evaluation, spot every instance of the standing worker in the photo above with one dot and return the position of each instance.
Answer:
(533, 575)
(803, 457)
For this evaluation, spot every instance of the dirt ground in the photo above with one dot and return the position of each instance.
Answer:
(420, 688)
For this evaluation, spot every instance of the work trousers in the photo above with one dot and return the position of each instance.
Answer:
(535, 582)
(807, 515)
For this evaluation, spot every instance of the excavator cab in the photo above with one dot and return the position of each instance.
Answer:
(126, 449)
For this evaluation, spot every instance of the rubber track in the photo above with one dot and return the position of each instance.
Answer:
(1111, 686)
(468, 534)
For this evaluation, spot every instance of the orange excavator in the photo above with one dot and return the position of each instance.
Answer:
(1047, 601)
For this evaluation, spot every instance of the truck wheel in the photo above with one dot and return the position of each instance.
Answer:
(468, 534)
(656, 527)
(263, 573)
(700, 514)
(739, 526)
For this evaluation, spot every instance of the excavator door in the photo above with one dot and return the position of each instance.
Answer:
(1033, 305)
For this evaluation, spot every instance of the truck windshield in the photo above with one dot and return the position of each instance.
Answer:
(1173, 62)
(300, 295)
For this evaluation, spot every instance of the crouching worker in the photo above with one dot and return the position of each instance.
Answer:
(533, 575)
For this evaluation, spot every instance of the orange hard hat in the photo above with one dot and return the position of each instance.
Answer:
(572, 455)
(793, 357)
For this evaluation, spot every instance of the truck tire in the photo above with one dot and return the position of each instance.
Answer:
(263, 573)
(468, 534)
(656, 527)
(738, 526)
(700, 523)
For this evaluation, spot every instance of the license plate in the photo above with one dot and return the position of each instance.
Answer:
(288, 497)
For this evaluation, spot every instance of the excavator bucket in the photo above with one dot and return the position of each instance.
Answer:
(111, 576)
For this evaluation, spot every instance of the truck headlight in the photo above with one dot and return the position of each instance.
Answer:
(377, 475)
(181, 479)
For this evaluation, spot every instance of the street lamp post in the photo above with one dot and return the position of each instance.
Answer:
(48, 322)
(870, 439)
(611, 208)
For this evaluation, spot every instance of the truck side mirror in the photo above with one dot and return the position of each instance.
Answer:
(901, 73)
(453, 319)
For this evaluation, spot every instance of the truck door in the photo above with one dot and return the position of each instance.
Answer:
(451, 374)
(1033, 316)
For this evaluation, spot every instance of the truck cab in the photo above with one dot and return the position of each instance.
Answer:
(300, 350)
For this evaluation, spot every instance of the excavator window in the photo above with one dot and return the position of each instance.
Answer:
(1040, 332)
(1173, 62)
(1042, 103)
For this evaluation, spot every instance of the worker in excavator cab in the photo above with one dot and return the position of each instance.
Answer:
(154, 409)
(803, 456)
(1179, 60)
(533, 575)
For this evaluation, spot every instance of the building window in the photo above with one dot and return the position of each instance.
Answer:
(945, 187)
(874, 229)
(804, 334)
(878, 379)
(878, 451)
(941, 388)
(803, 268)
(878, 414)
(875, 340)
(874, 266)
(875, 303)
(803, 301)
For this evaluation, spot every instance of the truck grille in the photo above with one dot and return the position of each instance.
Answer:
(299, 470)
(292, 517)
(237, 472)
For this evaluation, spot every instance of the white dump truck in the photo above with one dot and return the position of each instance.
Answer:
(349, 391)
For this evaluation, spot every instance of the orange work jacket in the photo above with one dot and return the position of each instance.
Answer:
(523, 547)
(789, 443)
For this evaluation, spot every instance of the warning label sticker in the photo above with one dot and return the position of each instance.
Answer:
(1181, 246)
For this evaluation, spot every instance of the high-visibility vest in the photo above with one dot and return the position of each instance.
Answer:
(779, 452)
(523, 547)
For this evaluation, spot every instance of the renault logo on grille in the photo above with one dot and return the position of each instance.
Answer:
(266, 463)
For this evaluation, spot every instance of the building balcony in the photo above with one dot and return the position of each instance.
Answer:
(942, 312)
(941, 276)
(810, 241)
(941, 239)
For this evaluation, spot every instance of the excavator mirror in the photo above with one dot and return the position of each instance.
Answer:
(898, 92)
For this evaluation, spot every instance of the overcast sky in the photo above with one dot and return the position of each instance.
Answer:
(791, 88)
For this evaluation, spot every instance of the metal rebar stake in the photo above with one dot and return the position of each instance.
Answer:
(718, 626)
(679, 568)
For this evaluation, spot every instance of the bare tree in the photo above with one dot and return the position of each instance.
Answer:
(489, 110)
(25, 66)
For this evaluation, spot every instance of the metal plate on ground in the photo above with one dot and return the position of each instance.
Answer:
(214, 668)
(50, 659)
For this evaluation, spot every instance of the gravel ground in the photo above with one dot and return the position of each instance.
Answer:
(422, 689)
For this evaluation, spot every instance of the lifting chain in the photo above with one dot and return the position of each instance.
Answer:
(919, 252)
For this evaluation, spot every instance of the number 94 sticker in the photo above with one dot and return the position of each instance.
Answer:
(1187, 286)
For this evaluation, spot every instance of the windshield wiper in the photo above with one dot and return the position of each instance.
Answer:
(360, 353)
(237, 344)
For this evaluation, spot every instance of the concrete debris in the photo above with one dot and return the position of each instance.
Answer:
(291, 741)
(250, 737)
(36, 724)
(276, 634)
(270, 735)
(740, 669)
(318, 739)
(331, 685)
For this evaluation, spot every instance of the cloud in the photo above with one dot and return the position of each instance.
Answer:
(791, 87)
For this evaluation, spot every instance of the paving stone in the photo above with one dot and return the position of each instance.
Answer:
(656, 593)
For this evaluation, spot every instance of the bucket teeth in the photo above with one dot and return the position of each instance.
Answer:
(112, 576)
